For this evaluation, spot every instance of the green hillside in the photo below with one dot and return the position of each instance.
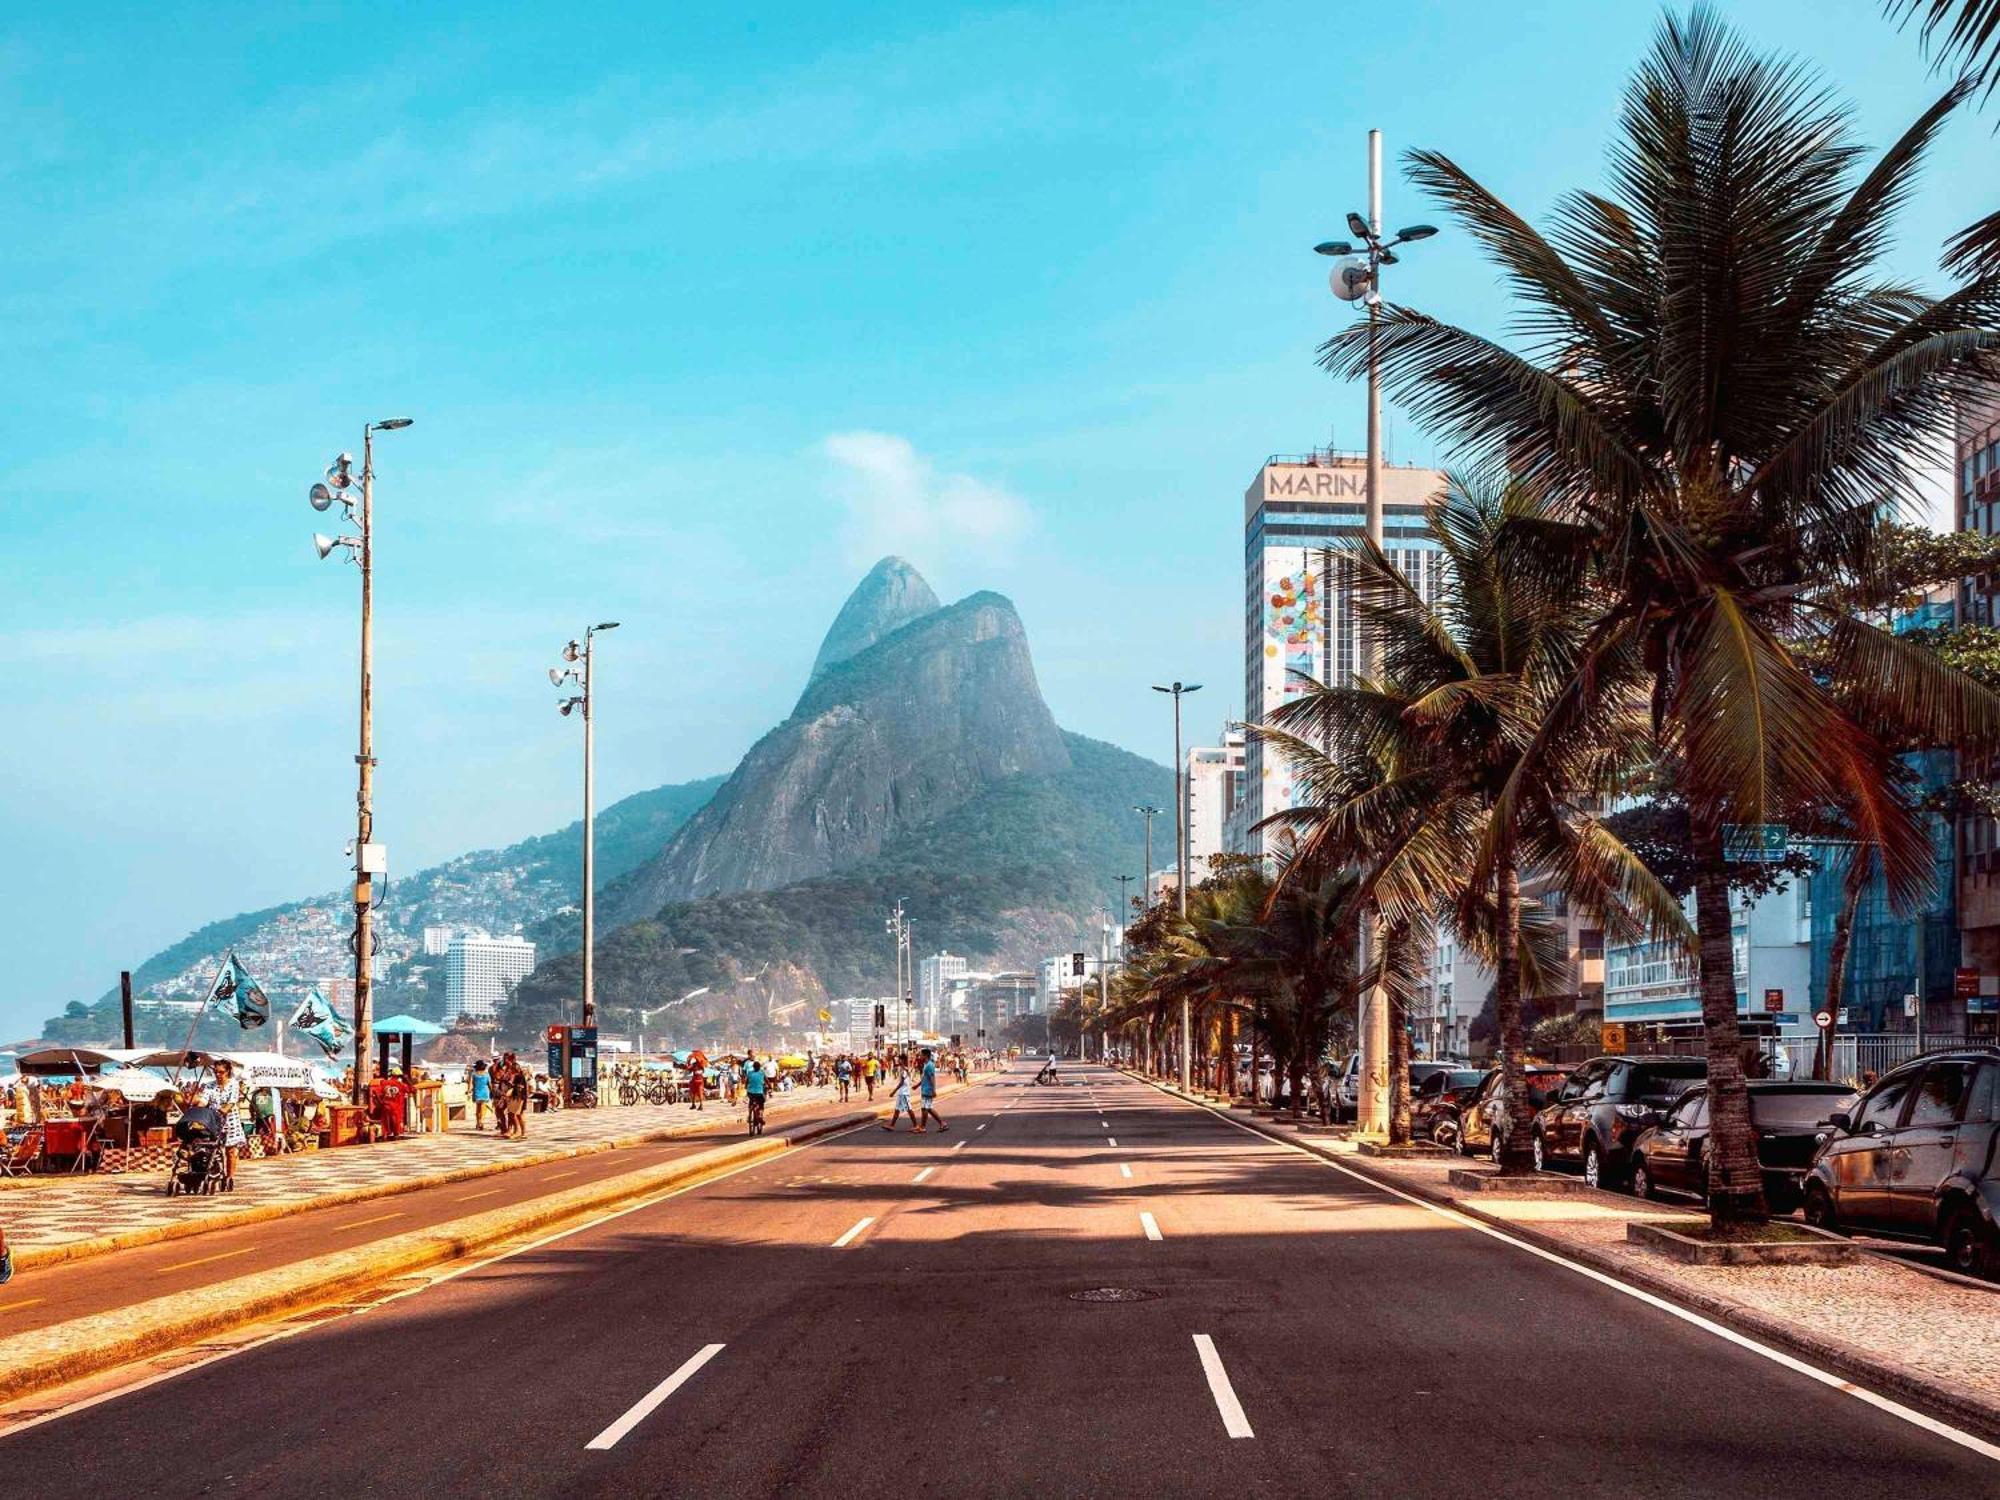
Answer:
(1047, 845)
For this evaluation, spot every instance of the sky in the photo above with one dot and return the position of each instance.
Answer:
(698, 310)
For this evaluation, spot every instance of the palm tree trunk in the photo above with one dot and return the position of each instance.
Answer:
(1393, 941)
(1836, 968)
(1226, 1070)
(1735, 1181)
(1516, 1152)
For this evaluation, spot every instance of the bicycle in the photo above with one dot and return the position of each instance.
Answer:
(756, 1114)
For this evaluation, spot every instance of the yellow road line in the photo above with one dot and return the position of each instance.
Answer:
(468, 1197)
(378, 1219)
(204, 1260)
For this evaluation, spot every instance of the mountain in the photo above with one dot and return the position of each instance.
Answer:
(1005, 878)
(301, 943)
(886, 740)
(892, 595)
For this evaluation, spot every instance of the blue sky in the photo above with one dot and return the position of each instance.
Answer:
(699, 309)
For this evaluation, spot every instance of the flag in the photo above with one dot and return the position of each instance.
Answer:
(234, 989)
(320, 1021)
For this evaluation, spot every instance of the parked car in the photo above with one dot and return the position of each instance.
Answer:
(1914, 1157)
(1435, 1103)
(1475, 1122)
(1347, 1087)
(1597, 1115)
(1790, 1121)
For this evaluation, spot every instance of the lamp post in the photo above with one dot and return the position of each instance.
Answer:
(1146, 872)
(370, 859)
(1358, 276)
(1179, 690)
(577, 670)
(898, 928)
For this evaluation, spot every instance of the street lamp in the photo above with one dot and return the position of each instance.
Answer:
(898, 927)
(1146, 874)
(356, 497)
(1180, 690)
(1358, 277)
(577, 671)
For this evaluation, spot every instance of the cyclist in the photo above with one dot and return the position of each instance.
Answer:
(753, 1092)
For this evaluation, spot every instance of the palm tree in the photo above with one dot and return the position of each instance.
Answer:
(1714, 397)
(1410, 783)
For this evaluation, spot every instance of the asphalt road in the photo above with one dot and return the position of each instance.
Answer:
(897, 1310)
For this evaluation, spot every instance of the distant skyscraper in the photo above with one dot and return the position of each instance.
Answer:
(934, 977)
(479, 971)
(436, 941)
(1296, 619)
(1214, 788)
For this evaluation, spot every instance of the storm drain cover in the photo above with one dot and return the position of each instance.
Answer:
(1113, 1294)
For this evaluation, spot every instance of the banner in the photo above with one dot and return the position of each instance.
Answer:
(235, 990)
(320, 1021)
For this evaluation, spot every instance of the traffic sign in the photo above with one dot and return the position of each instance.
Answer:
(1909, 1005)
(1611, 1036)
(1754, 843)
(1822, 1019)
(1774, 1002)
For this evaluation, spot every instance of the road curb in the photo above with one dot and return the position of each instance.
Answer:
(28, 1257)
(1882, 1376)
(61, 1352)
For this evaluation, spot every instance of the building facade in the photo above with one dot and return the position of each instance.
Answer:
(1651, 986)
(1298, 618)
(480, 972)
(934, 977)
(1214, 783)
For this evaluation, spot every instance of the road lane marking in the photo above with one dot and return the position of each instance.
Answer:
(1124, 1169)
(553, 1176)
(1111, 1140)
(378, 1219)
(645, 1407)
(848, 1238)
(468, 1197)
(184, 1264)
(1151, 1225)
(982, 1127)
(923, 1174)
(16, 1306)
(958, 1145)
(1233, 1421)
(1729, 1335)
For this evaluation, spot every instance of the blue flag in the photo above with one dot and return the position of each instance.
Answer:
(320, 1021)
(235, 990)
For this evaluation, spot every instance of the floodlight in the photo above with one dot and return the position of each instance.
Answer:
(319, 497)
(1358, 227)
(572, 651)
(324, 545)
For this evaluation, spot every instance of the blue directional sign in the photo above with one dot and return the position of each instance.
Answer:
(1754, 843)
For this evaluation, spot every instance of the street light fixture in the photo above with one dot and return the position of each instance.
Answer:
(1180, 690)
(356, 494)
(574, 652)
(1361, 280)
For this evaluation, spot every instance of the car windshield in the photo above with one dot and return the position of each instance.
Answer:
(1665, 1079)
(1795, 1109)
(1464, 1078)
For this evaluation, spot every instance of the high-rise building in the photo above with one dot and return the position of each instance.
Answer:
(934, 977)
(480, 971)
(437, 940)
(1298, 617)
(1214, 788)
(1976, 507)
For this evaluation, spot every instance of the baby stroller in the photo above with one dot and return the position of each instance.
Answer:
(198, 1164)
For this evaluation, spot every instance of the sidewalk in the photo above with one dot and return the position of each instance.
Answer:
(50, 1219)
(1921, 1337)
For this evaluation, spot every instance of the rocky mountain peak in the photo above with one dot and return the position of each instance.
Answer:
(891, 595)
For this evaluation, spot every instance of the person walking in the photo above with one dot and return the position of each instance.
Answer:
(229, 1100)
(697, 1081)
(927, 1089)
(843, 1072)
(869, 1064)
(903, 1103)
(481, 1082)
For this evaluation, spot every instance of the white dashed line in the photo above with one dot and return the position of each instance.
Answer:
(610, 1436)
(1152, 1227)
(958, 1145)
(1233, 1421)
(1124, 1169)
(1111, 1140)
(923, 1174)
(848, 1238)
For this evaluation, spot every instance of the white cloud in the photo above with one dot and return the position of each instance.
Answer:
(899, 501)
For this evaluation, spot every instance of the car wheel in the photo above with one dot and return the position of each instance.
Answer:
(1445, 1133)
(1820, 1212)
(1593, 1165)
(1642, 1179)
(1535, 1146)
(1969, 1247)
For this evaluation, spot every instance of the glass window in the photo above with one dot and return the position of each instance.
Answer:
(1690, 1112)
(1884, 1105)
(1942, 1094)
(1981, 1110)
(1795, 1108)
(1663, 1079)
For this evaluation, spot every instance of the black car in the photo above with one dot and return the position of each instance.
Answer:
(1436, 1101)
(1918, 1156)
(1789, 1118)
(1596, 1116)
